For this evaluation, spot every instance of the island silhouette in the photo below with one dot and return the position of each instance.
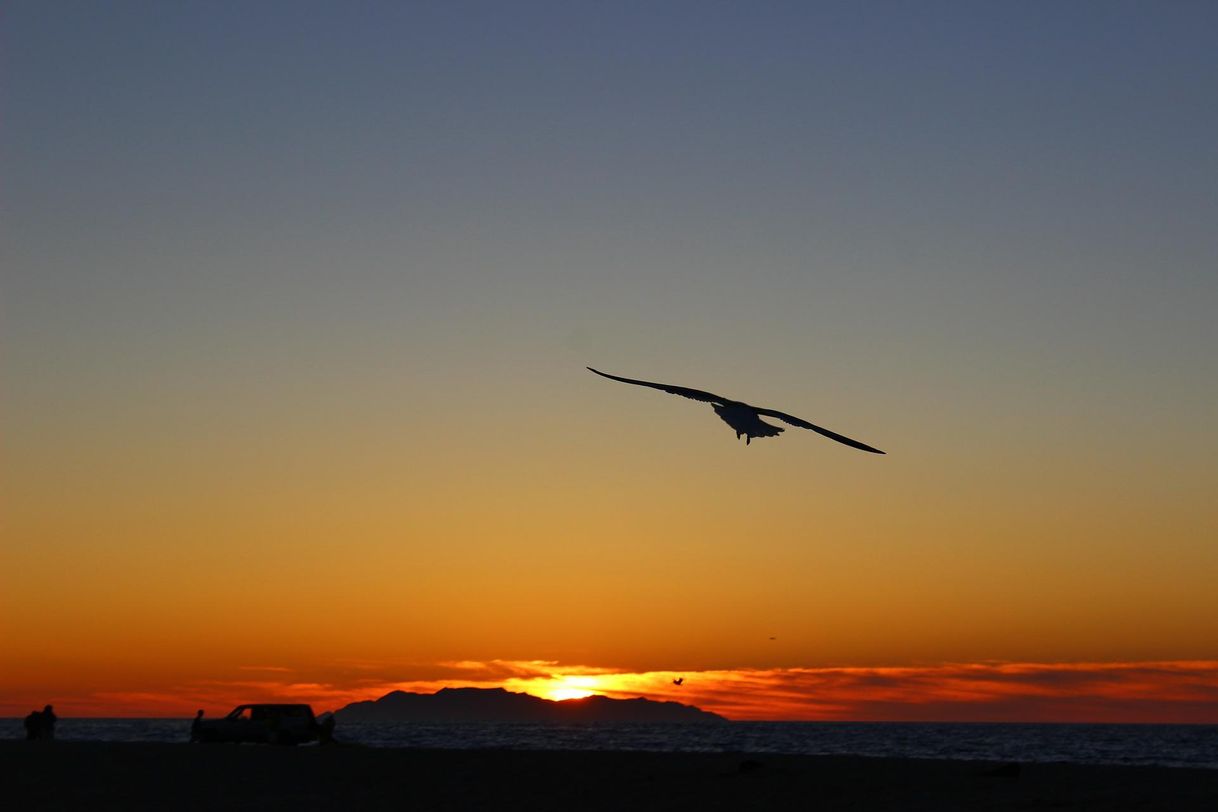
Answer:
(501, 705)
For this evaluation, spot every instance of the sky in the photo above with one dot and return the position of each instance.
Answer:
(296, 301)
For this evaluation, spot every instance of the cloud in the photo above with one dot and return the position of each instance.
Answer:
(1160, 691)
(1179, 691)
(1184, 691)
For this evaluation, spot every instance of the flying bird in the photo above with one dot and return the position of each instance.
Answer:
(742, 417)
(678, 680)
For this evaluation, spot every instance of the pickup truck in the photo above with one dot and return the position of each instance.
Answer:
(268, 724)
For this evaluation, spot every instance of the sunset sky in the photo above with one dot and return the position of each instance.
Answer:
(296, 301)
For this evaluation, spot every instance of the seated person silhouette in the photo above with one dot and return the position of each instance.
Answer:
(33, 725)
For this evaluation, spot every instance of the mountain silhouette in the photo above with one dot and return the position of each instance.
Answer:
(499, 705)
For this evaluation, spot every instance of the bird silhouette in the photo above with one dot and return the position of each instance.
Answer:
(742, 417)
(678, 680)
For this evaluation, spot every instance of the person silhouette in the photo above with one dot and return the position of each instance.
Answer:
(33, 726)
(325, 730)
(47, 728)
(195, 724)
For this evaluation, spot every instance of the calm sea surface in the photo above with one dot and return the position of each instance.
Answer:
(1170, 745)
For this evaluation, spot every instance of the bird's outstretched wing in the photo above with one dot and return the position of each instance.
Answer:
(804, 424)
(693, 394)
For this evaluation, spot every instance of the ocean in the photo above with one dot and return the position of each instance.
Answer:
(1166, 745)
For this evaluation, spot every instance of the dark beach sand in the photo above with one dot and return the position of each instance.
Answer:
(86, 775)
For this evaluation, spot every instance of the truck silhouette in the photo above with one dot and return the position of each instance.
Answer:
(263, 724)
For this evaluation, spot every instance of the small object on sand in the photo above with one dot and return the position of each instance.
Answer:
(1011, 770)
(678, 680)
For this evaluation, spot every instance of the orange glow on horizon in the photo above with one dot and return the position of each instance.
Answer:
(1171, 691)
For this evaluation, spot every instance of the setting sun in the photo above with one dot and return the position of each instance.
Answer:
(559, 687)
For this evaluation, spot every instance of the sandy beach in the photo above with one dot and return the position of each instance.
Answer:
(78, 775)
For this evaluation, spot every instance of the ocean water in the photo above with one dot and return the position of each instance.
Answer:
(1167, 745)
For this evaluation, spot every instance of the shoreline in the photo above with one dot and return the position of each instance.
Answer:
(147, 775)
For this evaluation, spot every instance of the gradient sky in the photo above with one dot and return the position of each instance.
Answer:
(297, 299)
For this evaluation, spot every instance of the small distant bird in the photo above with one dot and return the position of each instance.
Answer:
(742, 417)
(678, 680)
(773, 638)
